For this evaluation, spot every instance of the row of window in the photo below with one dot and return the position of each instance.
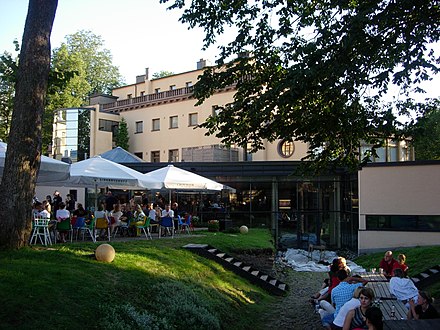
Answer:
(173, 123)
(173, 156)
(403, 222)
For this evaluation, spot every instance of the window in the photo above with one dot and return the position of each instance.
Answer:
(392, 151)
(129, 96)
(155, 156)
(192, 119)
(108, 125)
(172, 87)
(403, 222)
(139, 154)
(157, 90)
(142, 93)
(188, 84)
(286, 148)
(156, 124)
(173, 155)
(139, 127)
(174, 122)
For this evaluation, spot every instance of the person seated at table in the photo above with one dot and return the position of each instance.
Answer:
(353, 303)
(374, 318)
(403, 288)
(422, 309)
(337, 264)
(388, 263)
(401, 263)
(80, 212)
(154, 213)
(138, 219)
(101, 214)
(61, 215)
(167, 212)
(356, 317)
(116, 213)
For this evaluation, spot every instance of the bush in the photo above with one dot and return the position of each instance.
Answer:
(232, 230)
(213, 225)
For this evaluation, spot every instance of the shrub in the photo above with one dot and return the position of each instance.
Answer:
(213, 225)
(232, 230)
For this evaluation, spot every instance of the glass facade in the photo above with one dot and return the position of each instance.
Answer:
(71, 134)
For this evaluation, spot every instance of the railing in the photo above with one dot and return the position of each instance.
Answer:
(150, 98)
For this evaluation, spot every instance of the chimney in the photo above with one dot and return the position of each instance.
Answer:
(201, 64)
(142, 77)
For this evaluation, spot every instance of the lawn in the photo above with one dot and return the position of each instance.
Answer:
(418, 259)
(150, 285)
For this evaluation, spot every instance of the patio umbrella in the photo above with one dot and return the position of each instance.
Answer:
(50, 169)
(171, 177)
(98, 172)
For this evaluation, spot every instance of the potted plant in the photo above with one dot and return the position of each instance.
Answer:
(213, 225)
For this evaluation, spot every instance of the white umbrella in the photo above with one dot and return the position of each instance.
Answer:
(50, 169)
(98, 172)
(172, 177)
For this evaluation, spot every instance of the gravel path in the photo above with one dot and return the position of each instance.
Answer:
(292, 311)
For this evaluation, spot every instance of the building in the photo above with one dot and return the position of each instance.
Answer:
(163, 120)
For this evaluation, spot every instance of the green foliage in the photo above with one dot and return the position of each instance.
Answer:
(150, 285)
(232, 230)
(425, 132)
(213, 225)
(161, 74)
(122, 137)
(318, 70)
(8, 69)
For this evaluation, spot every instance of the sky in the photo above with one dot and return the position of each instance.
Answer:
(139, 33)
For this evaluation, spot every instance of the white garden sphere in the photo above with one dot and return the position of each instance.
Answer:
(105, 252)
(244, 229)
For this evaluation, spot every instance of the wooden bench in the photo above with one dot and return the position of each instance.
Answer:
(400, 311)
(381, 290)
(411, 324)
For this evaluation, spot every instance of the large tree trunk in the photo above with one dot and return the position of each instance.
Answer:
(24, 144)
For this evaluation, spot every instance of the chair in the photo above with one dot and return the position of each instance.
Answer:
(41, 230)
(123, 228)
(78, 225)
(90, 229)
(145, 227)
(65, 225)
(184, 225)
(102, 224)
(168, 224)
(187, 225)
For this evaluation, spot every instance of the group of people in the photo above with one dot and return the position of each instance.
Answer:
(110, 209)
(345, 303)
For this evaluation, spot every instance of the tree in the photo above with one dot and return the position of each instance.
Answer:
(317, 71)
(122, 137)
(8, 69)
(24, 145)
(162, 74)
(425, 132)
(84, 54)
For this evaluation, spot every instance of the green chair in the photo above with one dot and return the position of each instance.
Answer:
(145, 228)
(65, 226)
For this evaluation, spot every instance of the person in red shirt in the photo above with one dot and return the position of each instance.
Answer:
(388, 263)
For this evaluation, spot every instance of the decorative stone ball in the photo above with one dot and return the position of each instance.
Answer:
(105, 252)
(244, 229)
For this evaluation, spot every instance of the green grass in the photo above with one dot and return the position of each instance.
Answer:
(418, 259)
(150, 285)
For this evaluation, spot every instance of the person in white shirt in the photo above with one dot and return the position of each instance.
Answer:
(168, 212)
(62, 214)
(403, 288)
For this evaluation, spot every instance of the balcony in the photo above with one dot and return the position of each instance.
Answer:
(149, 100)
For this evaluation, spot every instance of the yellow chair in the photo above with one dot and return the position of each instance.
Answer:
(102, 224)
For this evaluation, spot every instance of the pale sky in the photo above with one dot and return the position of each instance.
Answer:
(139, 34)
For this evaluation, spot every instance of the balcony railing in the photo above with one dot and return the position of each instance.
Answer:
(149, 98)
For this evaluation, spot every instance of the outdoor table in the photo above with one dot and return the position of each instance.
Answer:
(411, 324)
(374, 277)
(381, 290)
(400, 311)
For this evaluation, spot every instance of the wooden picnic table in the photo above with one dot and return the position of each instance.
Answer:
(381, 290)
(411, 324)
(373, 277)
(400, 311)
